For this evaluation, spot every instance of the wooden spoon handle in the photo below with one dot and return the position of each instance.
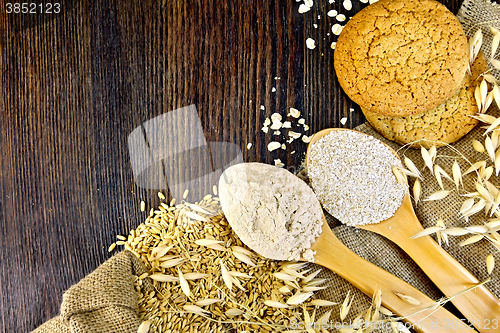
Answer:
(480, 306)
(333, 254)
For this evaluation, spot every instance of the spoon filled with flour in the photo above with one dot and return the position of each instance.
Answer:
(351, 173)
(277, 215)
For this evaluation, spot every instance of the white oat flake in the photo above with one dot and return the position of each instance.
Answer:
(276, 125)
(340, 17)
(332, 13)
(347, 4)
(273, 145)
(337, 29)
(276, 116)
(306, 138)
(249, 145)
(343, 121)
(294, 112)
(303, 9)
(310, 43)
(278, 163)
(334, 44)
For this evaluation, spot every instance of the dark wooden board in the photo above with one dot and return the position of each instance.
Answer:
(73, 87)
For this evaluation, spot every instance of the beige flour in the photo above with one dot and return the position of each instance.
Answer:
(271, 210)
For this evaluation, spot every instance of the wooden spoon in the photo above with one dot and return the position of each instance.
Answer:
(334, 255)
(480, 306)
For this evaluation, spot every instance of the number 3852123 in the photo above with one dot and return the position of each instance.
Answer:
(32, 8)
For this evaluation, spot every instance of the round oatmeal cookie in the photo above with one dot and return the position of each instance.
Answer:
(443, 124)
(400, 57)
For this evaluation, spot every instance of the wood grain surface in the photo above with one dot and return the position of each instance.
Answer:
(75, 85)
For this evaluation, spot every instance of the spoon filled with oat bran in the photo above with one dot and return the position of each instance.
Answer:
(351, 174)
(278, 216)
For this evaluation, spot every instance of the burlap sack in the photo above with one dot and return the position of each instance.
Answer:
(106, 300)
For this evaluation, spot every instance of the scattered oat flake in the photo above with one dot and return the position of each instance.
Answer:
(302, 121)
(332, 13)
(265, 129)
(347, 4)
(163, 277)
(428, 231)
(195, 309)
(472, 240)
(262, 107)
(276, 125)
(276, 304)
(207, 301)
(321, 302)
(143, 206)
(309, 3)
(417, 190)
(490, 263)
(267, 122)
(144, 327)
(249, 145)
(310, 43)
(278, 163)
(161, 196)
(287, 124)
(315, 25)
(294, 112)
(340, 17)
(478, 146)
(276, 132)
(333, 45)
(273, 89)
(437, 195)
(293, 152)
(306, 138)
(299, 298)
(275, 117)
(283, 146)
(426, 156)
(225, 276)
(293, 134)
(457, 175)
(337, 29)
(303, 9)
(273, 145)
(343, 121)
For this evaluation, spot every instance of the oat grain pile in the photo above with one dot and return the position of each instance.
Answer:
(273, 212)
(351, 174)
(202, 278)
